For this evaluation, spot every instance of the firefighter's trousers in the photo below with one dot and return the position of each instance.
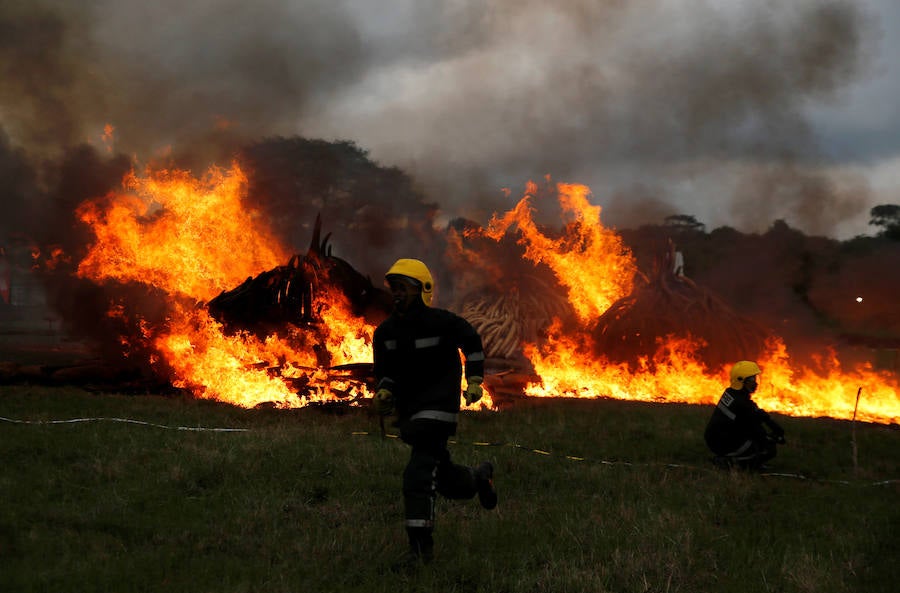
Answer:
(429, 472)
(752, 453)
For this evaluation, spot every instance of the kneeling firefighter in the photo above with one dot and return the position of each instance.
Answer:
(737, 431)
(419, 373)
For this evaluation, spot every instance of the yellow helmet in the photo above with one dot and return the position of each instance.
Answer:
(741, 371)
(418, 271)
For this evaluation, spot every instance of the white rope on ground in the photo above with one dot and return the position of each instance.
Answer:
(651, 464)
(125, 420)
(453, 441)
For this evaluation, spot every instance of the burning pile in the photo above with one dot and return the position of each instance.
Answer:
(527, 279)
(285, 296)
(667, 304)
(689, 336)
(231, 322)
(193, 241)
(522, 314)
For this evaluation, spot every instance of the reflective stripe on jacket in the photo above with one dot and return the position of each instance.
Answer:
(417, 357)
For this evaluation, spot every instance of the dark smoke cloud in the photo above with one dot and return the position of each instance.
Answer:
(168, 75)
(468, 96)
(612, 93)
(661, 106)
(635, 205)
(784, 191)
(44, 64)
(18, 192)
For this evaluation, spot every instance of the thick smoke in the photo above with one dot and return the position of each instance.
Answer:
(189, 77)
(615, 95)
(703, 102)
(661, 106)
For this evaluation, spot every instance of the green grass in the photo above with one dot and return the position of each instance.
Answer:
(299, 502)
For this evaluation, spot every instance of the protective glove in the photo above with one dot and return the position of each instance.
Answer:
(384, 402)
(474, 391)
(777, 433)
(775, 438)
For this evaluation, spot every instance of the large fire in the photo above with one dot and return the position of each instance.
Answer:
(675, 375)
(588, 259)
(192, 239)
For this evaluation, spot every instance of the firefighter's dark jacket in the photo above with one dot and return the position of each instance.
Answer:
(735, 420)
(416, 357)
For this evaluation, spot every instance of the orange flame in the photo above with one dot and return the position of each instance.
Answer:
(596, 270)
(589, 260)
(193, 238)
(232, 369)
(108, 136)
(568, 368)
(182, 235)
(348, 339)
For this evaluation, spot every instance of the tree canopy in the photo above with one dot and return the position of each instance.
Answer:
(685, 222)
(886, 216)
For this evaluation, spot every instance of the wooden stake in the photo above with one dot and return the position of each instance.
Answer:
(853, 432)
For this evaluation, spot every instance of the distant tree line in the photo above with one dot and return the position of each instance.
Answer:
(886, 216)
(815, 290)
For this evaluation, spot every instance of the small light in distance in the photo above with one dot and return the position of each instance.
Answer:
(858, 299)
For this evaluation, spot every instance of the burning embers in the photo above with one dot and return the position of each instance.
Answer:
(272, 339)
(559, 308)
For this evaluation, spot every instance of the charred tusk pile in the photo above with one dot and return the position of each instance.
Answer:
(665, 304)
(282, 301)
(283, 296)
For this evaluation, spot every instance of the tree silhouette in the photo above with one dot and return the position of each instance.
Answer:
(685, 222)
(372, 211)
(886, 216)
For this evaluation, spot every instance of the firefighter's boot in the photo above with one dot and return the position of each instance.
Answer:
(421, 544)
(421, 550)
(721, 462)
(484, 481)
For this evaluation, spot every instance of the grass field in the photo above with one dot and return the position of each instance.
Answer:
(301, 501)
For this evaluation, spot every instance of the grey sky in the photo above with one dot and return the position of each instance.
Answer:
(736, 112)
